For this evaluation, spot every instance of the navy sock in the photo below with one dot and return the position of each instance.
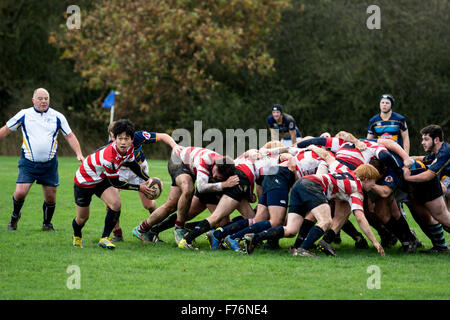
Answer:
(436, 234)
(314, 234)
(231, 228)
(201, 228)
(304, 230)
(254, 228)
(77, 229)
(17, 206)
(329, 236)
(48, 210)
(110, 222)
(167, 223)
(273, 233)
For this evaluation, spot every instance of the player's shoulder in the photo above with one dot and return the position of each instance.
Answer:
(397, 116)
(375, 118)
(270, 119)
(288, 118)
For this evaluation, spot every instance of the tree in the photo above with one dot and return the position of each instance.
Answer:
(168, 53)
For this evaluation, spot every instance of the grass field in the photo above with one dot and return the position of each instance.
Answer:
(33, 263)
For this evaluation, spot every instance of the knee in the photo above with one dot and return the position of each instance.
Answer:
(150, 205)
(116, 205)
(325, 224)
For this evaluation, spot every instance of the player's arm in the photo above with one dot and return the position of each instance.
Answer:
(347, 136)
(164, 137)
(75, 145)
(322, 153)
(421, 177)
(4, 132)
(293, 134)
(203, 184)
(125, 185)
(371, 136)
(406, 143)
(315, 141)
(365, 227)
(382, 191)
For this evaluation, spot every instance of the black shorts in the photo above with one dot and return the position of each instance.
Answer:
(305, 196)
(241, 191)
(209, 197)
(178, 168)
(275, 197)
(83, 196)
(426, 191)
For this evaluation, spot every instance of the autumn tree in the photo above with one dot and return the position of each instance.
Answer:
(167, 52)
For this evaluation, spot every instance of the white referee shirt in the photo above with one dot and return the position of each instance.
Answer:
(40, 131)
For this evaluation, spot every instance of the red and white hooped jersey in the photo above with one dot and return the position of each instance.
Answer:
(199, 160)
(102, 164)
(341, 184)
(347, 151)
(255, 168)
(307, 162)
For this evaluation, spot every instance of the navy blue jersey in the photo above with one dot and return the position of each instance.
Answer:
(439, 163)
(287, 123)
(389, 179)
(140, 138)
(388, 129)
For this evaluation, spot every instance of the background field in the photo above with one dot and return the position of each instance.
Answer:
(33, 263)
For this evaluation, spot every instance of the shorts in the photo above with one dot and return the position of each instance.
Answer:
(305, 196)
(125, 174)
(45, 173)
(83, 196)
(209, 197)
(177, 168)
(426, 191)
(241, 191)
(275, 197)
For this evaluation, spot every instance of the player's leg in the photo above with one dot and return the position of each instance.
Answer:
(18, 199)
(111, 197)
(48, 207)
(159, 214)
(322, 213)
(439, 211)
(186, 185)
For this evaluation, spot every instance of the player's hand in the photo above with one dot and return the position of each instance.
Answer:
(80, 158)
(361, 146)
(379, 249)
(231, 182)
(148, 192)
(408, 163)
(177, 148)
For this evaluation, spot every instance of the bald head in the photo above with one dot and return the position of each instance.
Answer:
(41, 99)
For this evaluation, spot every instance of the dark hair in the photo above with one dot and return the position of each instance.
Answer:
(225, 166)
(434, 131)
(123, 125)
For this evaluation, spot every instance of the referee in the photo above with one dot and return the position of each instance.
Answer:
(40, 126)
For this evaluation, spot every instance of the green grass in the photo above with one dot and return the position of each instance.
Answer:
(33, 263)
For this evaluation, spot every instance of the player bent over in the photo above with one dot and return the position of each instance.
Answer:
(99, 175)
(311, 194)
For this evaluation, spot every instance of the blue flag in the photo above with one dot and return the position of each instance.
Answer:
(109, 101)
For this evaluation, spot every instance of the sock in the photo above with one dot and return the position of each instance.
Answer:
(191, 225)
(48, 210)
(304, 229)
(201, 228)
(313, 235)
(231, 228)
(144, 227)
(271, 233)
(167, 223)
(436, 234)
(77, 229)
(110, 222)
(254, 228)
(350, 229)
(17, 206)
(179, 224)
(329, 236)
(118, 232)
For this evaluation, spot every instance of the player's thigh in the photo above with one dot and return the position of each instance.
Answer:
(111, 198)
(439, 211)
(196, 208)
(262, 213)
(277, 214)
(322, 213)
(342, 211)
(224, 208)
(185, 183)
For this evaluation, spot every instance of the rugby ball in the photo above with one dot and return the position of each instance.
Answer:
(156, 185)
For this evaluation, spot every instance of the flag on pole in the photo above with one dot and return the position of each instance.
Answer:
(110, 100)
